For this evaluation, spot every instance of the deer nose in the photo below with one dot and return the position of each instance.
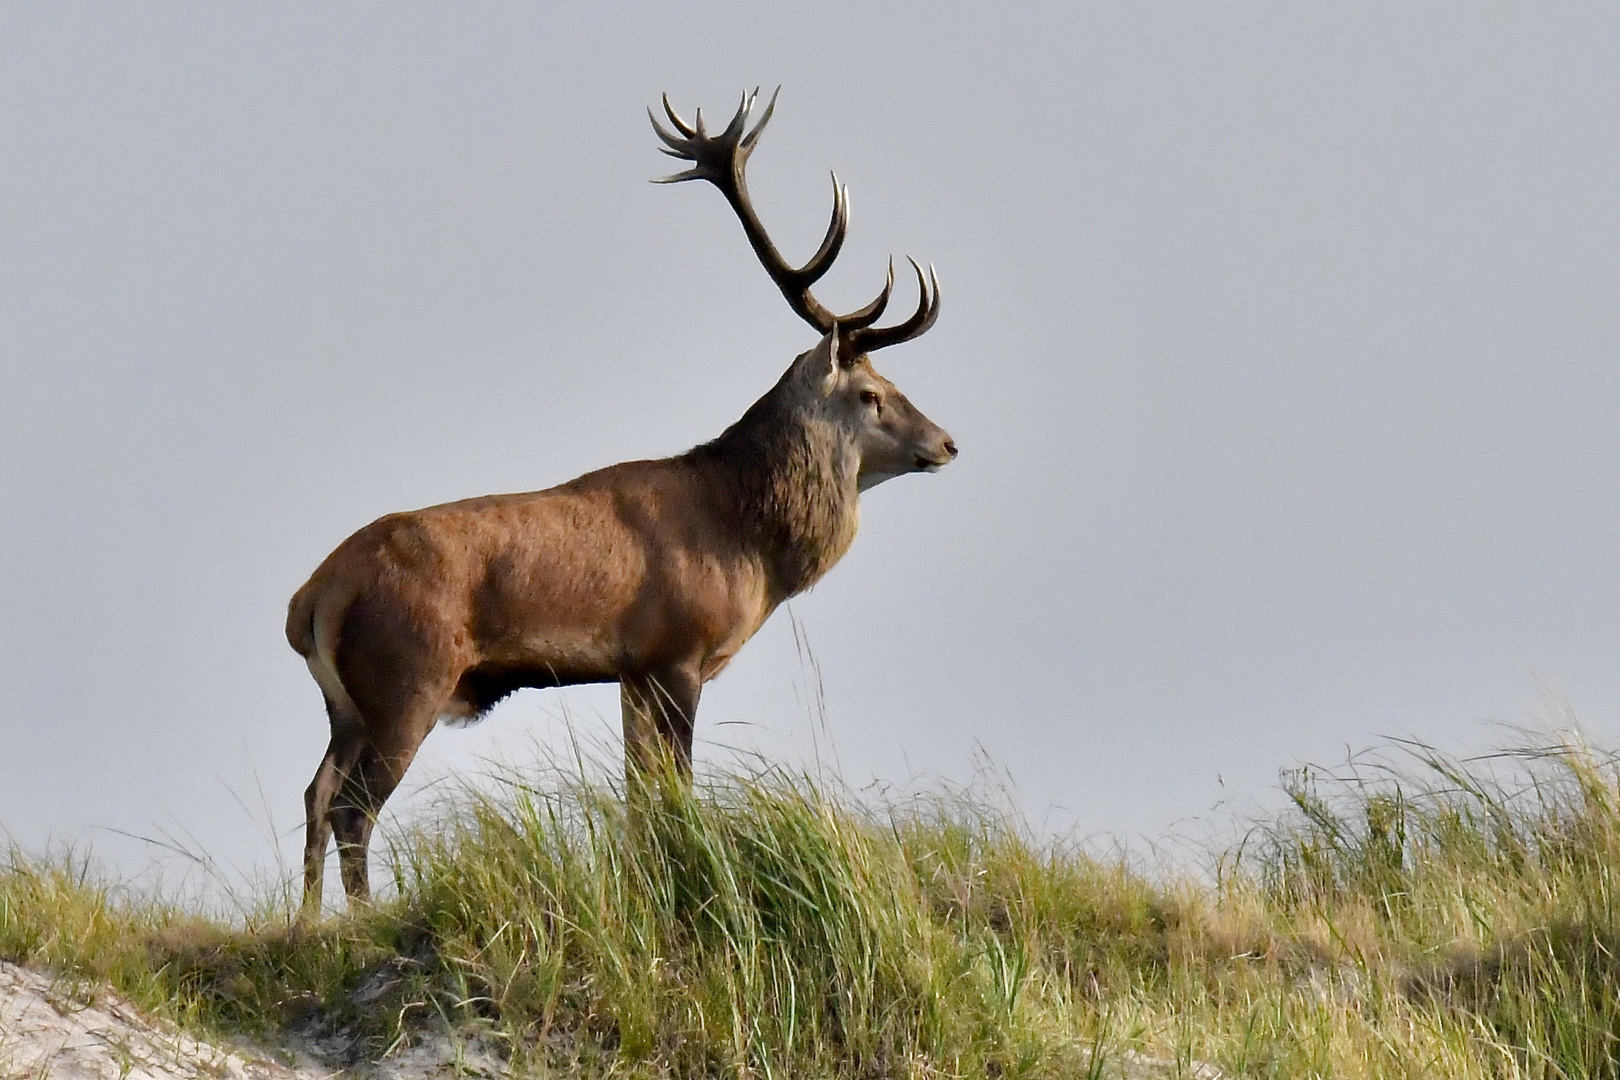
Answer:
(950, 448)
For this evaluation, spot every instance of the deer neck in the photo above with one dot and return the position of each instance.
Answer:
(808, 506)
(796, 497)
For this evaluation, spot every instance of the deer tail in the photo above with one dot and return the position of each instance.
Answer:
(314, 623)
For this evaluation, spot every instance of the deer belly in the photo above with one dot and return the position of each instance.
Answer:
(556, 664)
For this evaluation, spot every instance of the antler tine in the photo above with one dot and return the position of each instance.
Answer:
(739, 120)
(753, 136)
(871, 313)
(871, 339)
(680, 125)
(674, 144)
(812, 271)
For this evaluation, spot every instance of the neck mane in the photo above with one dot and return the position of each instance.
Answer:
(793, 475)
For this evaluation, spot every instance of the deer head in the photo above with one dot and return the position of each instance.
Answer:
(836, 379)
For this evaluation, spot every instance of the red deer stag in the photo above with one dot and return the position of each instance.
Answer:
(649, 573)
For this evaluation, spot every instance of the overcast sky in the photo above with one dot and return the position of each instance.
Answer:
(1280, 342)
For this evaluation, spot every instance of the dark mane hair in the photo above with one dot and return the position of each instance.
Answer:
(791, 480)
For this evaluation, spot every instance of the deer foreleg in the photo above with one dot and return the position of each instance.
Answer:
(659, 709)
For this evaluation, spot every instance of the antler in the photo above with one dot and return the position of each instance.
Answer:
(721, 159)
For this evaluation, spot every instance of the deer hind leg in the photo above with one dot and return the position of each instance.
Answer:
(388, 752)
(341, 754)
(659, 710)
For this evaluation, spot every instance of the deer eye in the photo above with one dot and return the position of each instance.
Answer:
(872, 397)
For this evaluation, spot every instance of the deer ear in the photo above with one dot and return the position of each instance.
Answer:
(822, 363)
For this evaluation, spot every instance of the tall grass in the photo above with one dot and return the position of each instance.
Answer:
(1411, 916)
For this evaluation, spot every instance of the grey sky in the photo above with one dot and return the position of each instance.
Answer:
(1280, 342)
